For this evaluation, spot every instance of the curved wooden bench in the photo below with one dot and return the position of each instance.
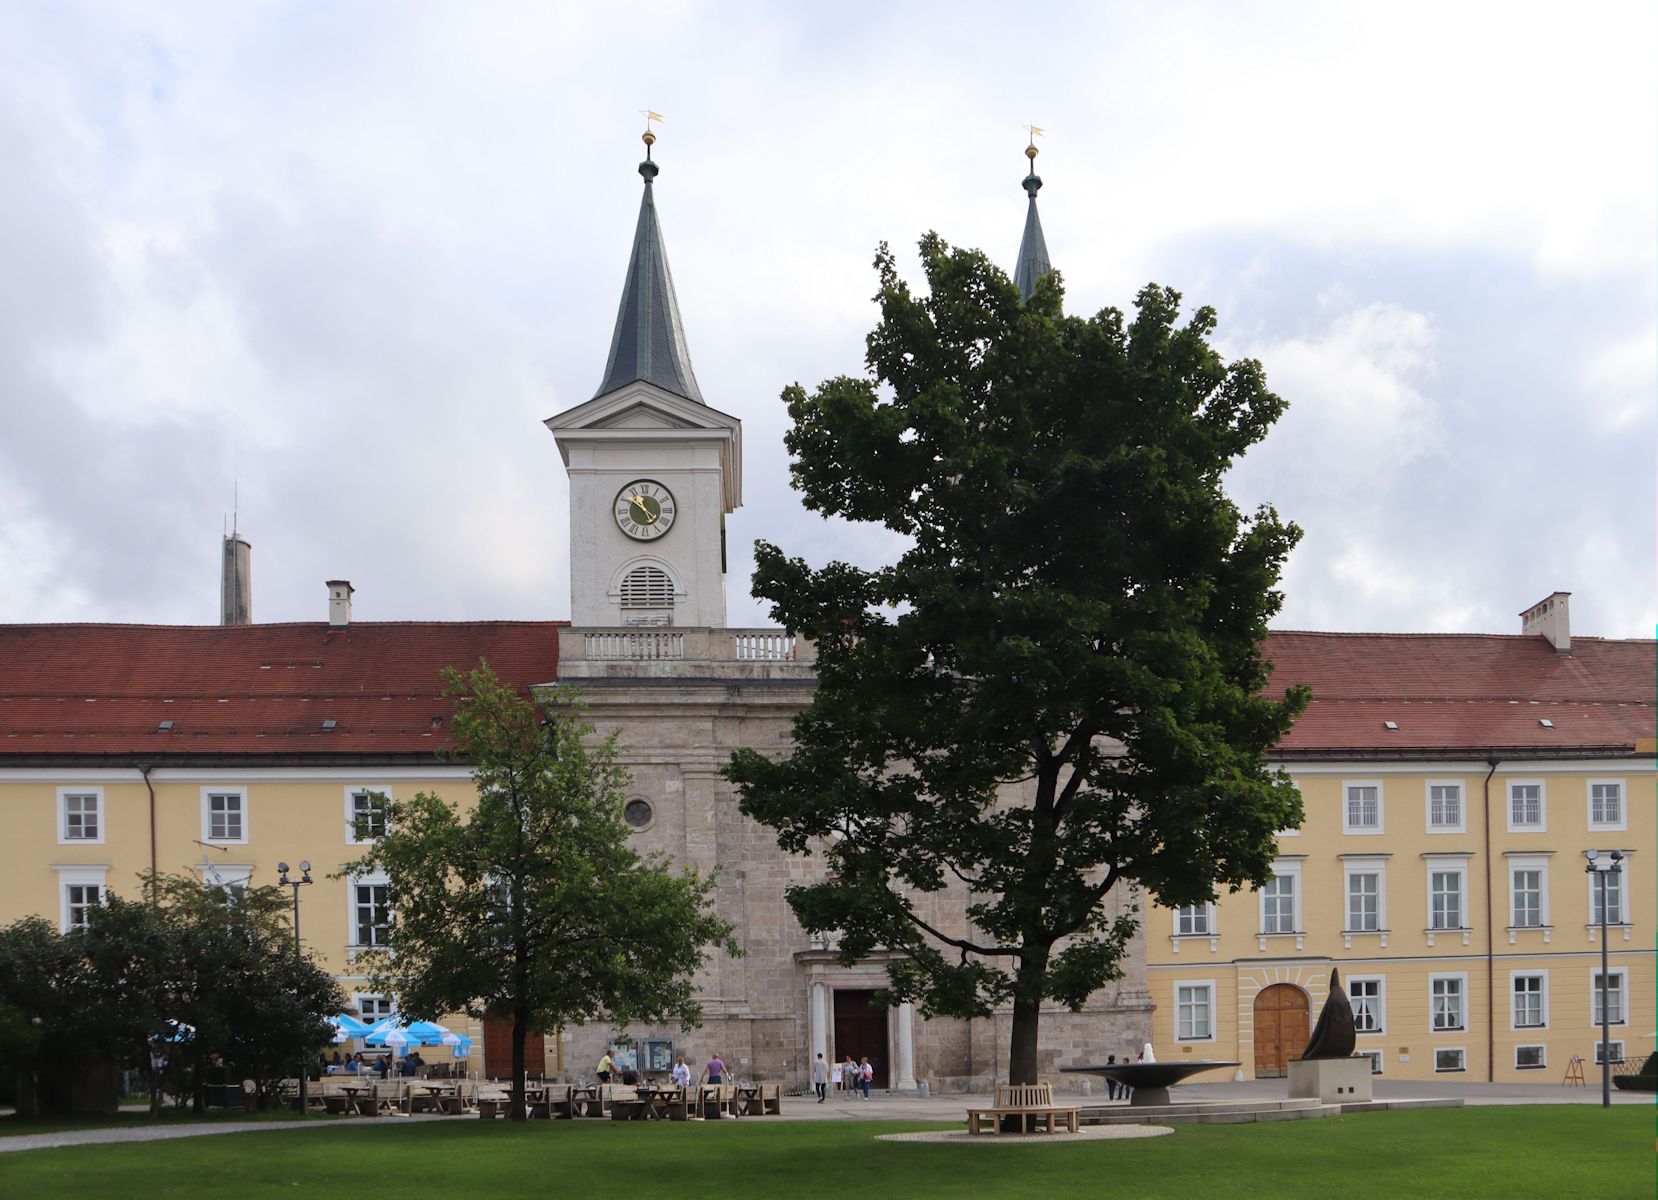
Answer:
(1024, 1106)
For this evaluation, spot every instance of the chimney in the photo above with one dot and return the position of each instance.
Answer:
(339, 603)
(236, 582)
(1553, 619)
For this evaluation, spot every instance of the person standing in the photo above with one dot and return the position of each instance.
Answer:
(866, 1073)
(714, 1072)
(682, 1073)
(820, 1078)
(1110, 1083)
(849, 1074)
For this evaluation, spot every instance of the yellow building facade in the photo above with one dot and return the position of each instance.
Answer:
(1446, 881)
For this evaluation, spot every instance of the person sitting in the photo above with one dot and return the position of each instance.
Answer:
(630, 1077)
(382, 1065)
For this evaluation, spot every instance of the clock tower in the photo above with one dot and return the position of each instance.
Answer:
(653, 469)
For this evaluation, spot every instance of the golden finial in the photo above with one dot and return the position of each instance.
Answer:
(649, 138)
(1035, 132)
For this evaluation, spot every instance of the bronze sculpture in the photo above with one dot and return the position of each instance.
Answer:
(1334, 1035)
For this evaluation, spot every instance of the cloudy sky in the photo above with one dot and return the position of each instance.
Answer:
(346, 257)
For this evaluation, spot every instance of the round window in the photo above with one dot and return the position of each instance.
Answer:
(637, 813)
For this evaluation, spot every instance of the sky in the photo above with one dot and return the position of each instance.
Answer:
(331, 265)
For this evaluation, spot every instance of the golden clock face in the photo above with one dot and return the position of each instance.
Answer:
(644, 510)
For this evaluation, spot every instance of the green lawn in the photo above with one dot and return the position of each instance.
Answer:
(1473, 1152)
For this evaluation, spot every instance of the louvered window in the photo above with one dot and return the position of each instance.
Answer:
(647, 587)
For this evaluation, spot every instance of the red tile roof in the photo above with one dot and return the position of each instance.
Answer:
(1465, 692)
(104, 690)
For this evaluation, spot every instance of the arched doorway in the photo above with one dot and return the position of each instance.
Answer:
(1280, 1029)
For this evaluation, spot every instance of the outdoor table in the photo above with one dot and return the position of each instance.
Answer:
(586, 1102)
(747, 1100)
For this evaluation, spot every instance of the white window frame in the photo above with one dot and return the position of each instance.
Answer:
(1542, 825)
(1449, 865)
(207, 815)
(1461, 825)
(225, 875)
(1622, 823)
(1594, 879)
(1616, 1046)
(1381, 1004)
(351, 794)
(356, 881)
(78, 876)
(1460, 978)
(1292, 872)
(1621, 974)
(1347, 825)
(1542, 999)
(1208, 930)
(1542, 1056)
(97, 793)
(1540, 864)
(1210, 1006)
(1462, 1065)
(1375, 1057)
(1351, 867)
(378, 998)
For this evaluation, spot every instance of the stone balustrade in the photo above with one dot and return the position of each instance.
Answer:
(610, 651)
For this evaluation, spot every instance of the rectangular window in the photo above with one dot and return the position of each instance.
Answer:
(1445, 894)
(375, 1008)
(372, 917)
(1525, 806)
(1194, 1011)
(80, 812)
(1363, 810)
(1445, 807)
(1528, 1001)
(1193, 920)
(1610, 997)
(1450, 1060)
(1610, 1052)
(1527, 888)
(1606, 804)
(1278, 905)
(1446, 994)
(224, 816)
(79, 899)
(1375, 1057)
(1366, 998)
(367, 814)
(1364, 902)
(1606, 887)
(1530, 1058)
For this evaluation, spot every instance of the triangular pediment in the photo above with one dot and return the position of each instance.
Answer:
(642, 406)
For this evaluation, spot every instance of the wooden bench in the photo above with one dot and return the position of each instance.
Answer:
(1021, 1108)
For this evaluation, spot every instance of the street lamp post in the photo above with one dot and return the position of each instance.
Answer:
(296, 884)
(1602, 869)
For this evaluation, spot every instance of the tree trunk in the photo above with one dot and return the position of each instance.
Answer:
(1021, 1057)
(1027, 1012)
(520, 1030)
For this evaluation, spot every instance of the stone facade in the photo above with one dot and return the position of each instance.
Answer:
(681, 701)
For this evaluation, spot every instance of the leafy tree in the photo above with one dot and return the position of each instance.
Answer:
(531, 905)
(218, 961)
(1057, 689)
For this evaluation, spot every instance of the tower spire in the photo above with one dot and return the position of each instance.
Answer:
(649, 342)
(1033, 249)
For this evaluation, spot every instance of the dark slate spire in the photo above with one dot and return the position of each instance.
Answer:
(1033, 250)
(649, 342)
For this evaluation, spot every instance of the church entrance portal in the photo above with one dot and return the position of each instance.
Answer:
(1280, 1029)
(861, 1030)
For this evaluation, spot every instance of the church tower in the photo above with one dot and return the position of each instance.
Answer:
(653, 469)
(1033, 248)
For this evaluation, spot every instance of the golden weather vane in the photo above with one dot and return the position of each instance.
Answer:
(650, 136)
(1035, 132)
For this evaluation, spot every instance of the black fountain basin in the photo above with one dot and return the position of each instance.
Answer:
(1150, 1081)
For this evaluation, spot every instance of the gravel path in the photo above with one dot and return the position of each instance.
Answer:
(166, 1133)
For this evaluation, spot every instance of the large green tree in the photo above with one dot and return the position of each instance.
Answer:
(1057, 689)
(531, 905)
(196, 970)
